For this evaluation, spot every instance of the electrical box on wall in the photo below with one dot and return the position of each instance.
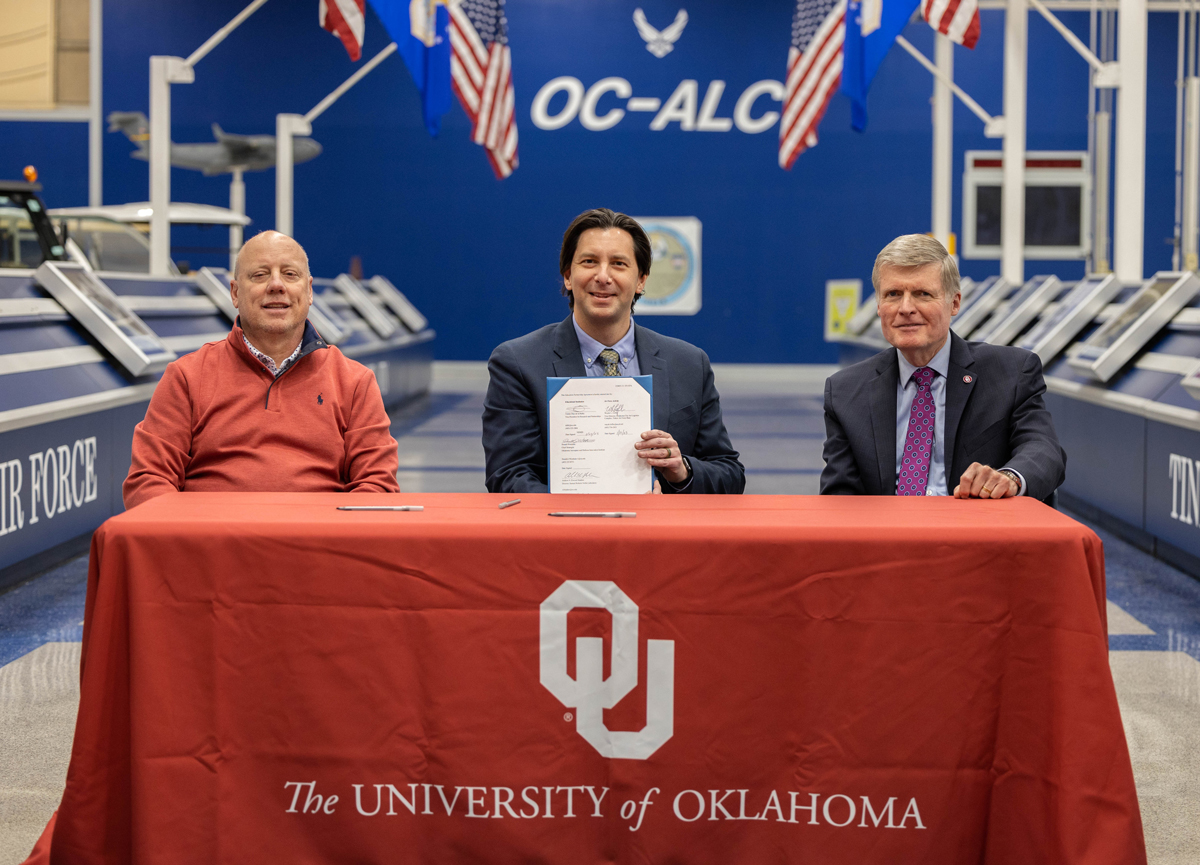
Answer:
(1058, 204)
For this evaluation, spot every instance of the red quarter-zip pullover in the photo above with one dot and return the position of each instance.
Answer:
(220, 422)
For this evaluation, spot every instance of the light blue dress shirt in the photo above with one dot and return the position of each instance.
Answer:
(624, 347)
(906, 392)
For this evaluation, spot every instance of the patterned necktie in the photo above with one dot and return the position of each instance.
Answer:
(610, 359)
(918, 445)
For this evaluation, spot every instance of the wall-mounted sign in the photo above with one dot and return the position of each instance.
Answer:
(673, 287)
(842, 297)
(607, 102)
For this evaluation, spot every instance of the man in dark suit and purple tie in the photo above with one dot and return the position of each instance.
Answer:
(936, 415)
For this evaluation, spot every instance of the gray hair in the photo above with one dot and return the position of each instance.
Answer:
(237, 259)
(918, 250)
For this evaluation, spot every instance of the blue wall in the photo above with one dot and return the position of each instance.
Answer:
(479, 256)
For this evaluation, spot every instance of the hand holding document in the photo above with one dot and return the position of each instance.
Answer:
(594, 423)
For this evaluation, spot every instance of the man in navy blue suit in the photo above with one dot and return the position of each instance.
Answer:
(604, 262)
(936, 415)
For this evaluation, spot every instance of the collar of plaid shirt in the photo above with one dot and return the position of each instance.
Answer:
(270, 364)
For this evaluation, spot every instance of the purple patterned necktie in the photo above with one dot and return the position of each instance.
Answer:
(918, 445)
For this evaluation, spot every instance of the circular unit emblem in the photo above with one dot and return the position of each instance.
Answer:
(672, 266)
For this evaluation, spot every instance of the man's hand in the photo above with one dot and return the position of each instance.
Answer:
(984, 482)
(662, 452)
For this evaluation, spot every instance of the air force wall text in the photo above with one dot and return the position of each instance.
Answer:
(47, 483)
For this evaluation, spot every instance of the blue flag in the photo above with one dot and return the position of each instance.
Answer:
(421, 31)
(871, 28)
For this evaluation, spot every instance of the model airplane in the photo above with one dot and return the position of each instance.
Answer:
(227, 153)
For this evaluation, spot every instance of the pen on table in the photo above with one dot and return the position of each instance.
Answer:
(381, 507)
(504, 505)
(592, 514)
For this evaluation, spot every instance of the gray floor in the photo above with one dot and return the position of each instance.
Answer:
(39, 695)
(1160, 705)
(774, 418)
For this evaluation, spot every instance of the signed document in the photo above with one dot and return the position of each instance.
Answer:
(593, 425)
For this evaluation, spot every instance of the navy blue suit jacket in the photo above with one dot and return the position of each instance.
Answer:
(994, 415)
(686, 405)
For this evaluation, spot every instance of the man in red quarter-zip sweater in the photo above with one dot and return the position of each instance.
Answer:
(270, 408)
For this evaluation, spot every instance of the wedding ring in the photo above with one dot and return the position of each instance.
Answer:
(668, 453)
(987, 490)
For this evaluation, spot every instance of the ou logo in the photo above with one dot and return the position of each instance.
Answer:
(589, 693)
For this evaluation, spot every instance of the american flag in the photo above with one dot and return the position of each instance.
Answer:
(345, 19)
(481, 74)
(958, 19)
(814, 71)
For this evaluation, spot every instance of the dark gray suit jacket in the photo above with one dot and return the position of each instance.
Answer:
(686, 405)
(997, 418)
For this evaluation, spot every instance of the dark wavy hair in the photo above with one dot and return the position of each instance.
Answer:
(602, 218)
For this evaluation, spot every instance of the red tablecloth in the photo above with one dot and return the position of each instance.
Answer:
(847, 680)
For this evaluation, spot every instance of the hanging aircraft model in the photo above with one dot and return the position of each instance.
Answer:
(228, 153)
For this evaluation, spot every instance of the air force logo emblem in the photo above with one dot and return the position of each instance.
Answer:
(589, 693)
(660, 43)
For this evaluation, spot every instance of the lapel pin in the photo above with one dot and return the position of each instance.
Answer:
(967, 379)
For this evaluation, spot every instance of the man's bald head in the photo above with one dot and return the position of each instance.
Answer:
(273, 239)
(272, 292)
